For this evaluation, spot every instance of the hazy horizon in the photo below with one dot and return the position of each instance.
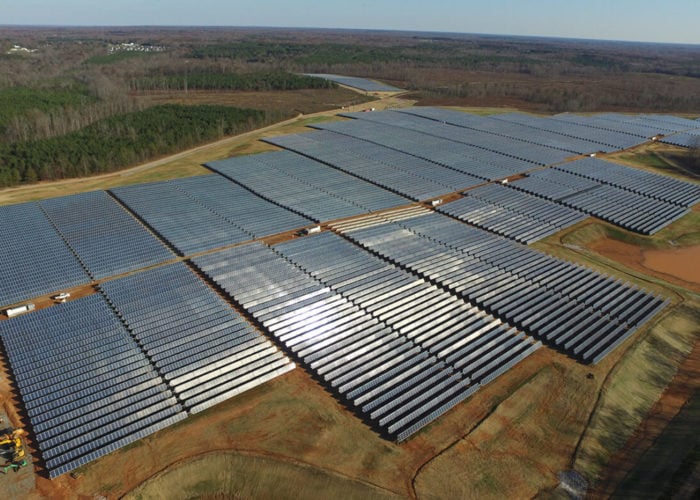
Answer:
(622, 20)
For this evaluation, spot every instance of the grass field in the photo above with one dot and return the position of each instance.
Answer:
(228, 475)
(306, 101)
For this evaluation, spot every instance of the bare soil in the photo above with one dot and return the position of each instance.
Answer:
(681, 263)
(678, 266)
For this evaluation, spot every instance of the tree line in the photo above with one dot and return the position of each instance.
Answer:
(122, 140)
(257, 81)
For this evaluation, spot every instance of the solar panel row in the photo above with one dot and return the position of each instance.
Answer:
(510, 213)
(240, 206)
(464, 158)
(35, 259)
(189, 226)
(690, 139)
(106, 239)
(521, 150)
(650, 125)
(568, 306)
(660, 187)
(642, 131)
(377, 369)
(407, 175)
(624, 208)
(306, 186)
(204, 350)
(608, 140)
(447, 327)
(87, 387)
(509, 130)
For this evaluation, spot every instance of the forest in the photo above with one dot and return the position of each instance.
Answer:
(259, 81)
(123, 140)
(57, 102)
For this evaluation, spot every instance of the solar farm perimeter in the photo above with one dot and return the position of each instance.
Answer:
(386, 256)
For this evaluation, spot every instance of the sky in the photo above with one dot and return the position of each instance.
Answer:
(674, 21)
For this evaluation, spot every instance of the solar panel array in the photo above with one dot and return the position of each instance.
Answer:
(306, 186)
(513, 214)
(511, 147)
(627, 209)
(690, 139)
(240, 206)
(87, 387)
(357, 83)
(572, 308)
(379, 368)
(182, 221)
(206, 212)
(404, 316)
(659, 124)
(642, 131)
(35, 259)
(608, 140)
(462, 157)
(106, 239)
(659, 187)
(202, 348)
(405, 174)
(505, 129)
(442, 324)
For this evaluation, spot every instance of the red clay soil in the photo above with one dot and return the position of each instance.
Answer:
(674, 266)
(681, 263)
(679, 390)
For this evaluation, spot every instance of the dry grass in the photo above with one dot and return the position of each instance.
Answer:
(227, 475)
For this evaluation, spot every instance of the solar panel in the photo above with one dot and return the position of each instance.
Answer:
(660, 187)
(239, 206)
(505, 129)
(362, 326)
(184, 222)
(513, 214)
(608, 140)
(465, 158)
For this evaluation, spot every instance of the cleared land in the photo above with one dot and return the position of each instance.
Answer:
(500, 442)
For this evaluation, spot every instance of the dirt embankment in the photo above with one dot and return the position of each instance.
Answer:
(685, 383)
